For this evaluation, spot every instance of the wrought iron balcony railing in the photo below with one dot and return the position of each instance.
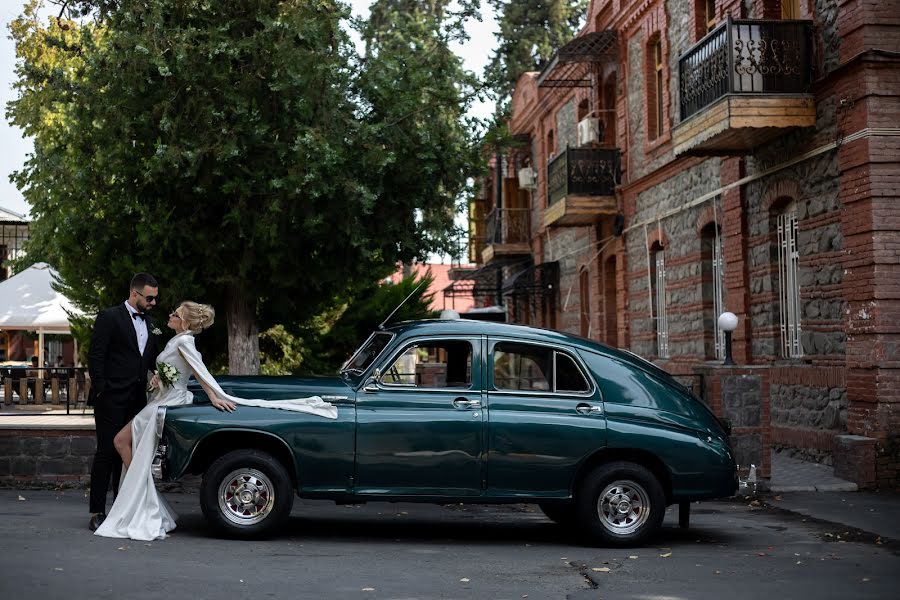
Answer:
(746, 57)
(583, 172)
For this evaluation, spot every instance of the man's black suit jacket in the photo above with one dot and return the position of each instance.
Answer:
(115, 363)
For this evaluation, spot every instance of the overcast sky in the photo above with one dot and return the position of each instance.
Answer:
(13, 148)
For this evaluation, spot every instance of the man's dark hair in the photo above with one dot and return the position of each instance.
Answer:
(143, 279)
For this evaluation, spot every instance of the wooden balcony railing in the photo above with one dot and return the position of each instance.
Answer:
(746, 57)
(508, 226)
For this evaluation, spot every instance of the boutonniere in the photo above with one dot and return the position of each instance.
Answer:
(156, 330)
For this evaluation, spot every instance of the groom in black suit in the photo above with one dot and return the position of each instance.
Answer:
(123, 350)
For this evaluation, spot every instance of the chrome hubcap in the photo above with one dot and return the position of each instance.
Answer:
(246, 496)
(623, 507)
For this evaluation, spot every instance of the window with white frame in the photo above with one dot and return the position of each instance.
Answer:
(788, 282)
(660, 322)
(712, 271)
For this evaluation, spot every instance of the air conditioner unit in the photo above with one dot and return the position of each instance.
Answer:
(527, 179)
(588, 131)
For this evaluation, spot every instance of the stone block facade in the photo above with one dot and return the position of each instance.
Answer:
(46, 457)
(807, 221)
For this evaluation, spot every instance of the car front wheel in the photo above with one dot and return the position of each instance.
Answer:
(246, 494)
(620, 504)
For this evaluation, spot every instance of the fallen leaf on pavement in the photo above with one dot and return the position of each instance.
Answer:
(666, 555)
(57, 568)
(601, 569)
(632, 557)
(865, 579)
(21, 498)
(465, 580)
(367, 589)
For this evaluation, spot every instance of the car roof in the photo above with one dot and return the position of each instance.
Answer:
(526, 332)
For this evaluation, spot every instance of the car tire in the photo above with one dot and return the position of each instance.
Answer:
(246, 494)
(620, 504)
(562, 513)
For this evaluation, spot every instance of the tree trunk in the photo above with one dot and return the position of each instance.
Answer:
(243, 333)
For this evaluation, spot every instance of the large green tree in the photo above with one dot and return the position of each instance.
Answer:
(530, 32)
(237, 150)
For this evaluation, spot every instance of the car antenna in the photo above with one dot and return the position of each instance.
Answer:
(401, 304)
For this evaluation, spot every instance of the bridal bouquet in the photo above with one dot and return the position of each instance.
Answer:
(167, 374)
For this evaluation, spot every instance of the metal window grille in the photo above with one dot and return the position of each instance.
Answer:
(662, 324)
(718, 271)
(788, 283)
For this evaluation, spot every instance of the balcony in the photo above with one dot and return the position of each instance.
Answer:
(744, 84)
(508, 234)
(581, 186)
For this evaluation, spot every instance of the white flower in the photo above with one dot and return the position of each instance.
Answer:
(156, 330)
(167, 374)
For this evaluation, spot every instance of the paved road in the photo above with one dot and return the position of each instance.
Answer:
(406, 551)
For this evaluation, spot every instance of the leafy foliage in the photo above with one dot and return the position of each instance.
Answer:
(240, 152)
(530, 32)
(324, 343)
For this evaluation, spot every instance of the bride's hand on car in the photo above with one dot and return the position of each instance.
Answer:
(223, 405)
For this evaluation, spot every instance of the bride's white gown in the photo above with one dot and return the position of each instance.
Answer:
(140, 512)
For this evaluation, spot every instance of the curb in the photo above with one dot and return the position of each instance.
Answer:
(825, 487)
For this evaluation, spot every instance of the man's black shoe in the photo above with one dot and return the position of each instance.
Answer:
(96, 520)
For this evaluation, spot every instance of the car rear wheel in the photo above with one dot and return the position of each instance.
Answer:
(246, 494)
(620, 504)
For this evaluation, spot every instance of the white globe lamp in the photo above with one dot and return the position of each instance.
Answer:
(728, 322)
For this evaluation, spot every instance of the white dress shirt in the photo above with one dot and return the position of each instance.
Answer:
(140, 327)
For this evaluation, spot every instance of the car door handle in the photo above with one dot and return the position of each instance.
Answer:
(466, 404)
(587, 409)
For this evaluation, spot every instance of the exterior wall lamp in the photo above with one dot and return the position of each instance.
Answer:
(728, 322)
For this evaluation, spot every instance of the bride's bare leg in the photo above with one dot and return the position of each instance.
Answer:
(122, 442)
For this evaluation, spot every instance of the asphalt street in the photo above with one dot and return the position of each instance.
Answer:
(404, 551)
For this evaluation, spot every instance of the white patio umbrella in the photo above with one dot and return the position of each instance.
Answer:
(28, 302)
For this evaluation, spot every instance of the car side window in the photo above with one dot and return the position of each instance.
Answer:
(432, 364)
(528, 367)
(569, 377)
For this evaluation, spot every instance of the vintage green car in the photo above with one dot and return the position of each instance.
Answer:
(460, 411)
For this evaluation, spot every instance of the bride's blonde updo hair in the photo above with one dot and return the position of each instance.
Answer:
(197, 317)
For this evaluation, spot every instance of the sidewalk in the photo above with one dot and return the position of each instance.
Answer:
(877, 513)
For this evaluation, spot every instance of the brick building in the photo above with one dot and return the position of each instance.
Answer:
(681, 158)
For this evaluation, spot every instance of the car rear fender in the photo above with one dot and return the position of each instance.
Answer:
(633, 455)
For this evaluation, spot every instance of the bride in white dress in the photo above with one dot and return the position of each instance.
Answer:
(140, 512)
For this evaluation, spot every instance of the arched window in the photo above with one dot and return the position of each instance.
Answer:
(711, 283)
(788, 281)
(609, 110)
(609, 301)
(584, 281)
(654, 80)
(658, 303)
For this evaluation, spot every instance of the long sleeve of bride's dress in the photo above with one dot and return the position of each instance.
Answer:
(313, 404)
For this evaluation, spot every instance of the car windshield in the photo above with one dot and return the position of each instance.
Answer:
(366, 355)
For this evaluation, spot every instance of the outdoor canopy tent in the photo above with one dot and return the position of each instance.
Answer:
(28, 302)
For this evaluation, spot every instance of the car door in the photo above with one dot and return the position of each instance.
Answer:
(545, 417)
(420, 425)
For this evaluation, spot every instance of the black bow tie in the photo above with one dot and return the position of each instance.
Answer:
(138, 315)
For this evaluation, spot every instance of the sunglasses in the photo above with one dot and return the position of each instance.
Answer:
(174, 314)
(147, 298)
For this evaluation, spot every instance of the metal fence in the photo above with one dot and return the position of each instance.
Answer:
(583, 172)
(53, 386)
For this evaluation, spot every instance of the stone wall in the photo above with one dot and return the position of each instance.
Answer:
(569, 246)
(682, 244)
(46, 457)
(814, 186)
(566, 126)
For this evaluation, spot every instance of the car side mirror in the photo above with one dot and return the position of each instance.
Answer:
(372, 382)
